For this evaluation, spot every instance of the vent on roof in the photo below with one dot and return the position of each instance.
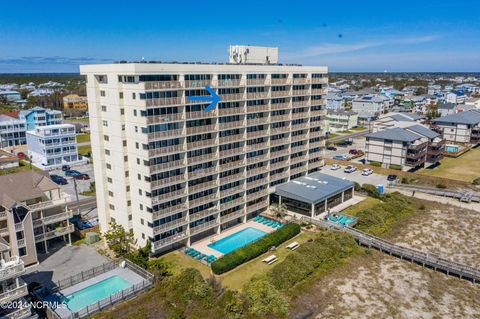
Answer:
(311, 186)
(322, 182)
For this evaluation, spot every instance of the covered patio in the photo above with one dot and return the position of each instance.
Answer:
(314, 194)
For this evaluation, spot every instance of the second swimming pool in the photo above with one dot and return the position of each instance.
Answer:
(237, 240)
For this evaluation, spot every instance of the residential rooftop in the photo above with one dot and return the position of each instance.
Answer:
(394, 134)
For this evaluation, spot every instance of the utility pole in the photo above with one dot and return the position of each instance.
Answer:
(76, 194)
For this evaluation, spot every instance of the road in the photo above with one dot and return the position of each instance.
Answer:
(347, 136)
(85, 204)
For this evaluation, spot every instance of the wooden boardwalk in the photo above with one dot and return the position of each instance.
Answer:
(425, 259)
(463, 196)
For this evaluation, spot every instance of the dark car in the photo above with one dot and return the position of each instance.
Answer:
(391, 178)
(81, 176)
(72, 172)
(331, 148)
(59, 179)
(66, 168)
(353, 152)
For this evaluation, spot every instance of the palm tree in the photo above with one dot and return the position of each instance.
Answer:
(279, 210)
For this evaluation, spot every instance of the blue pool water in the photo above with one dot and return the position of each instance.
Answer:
(237, 240)
(91, 294)
(451, 148)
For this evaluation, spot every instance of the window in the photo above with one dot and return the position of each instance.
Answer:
(138, 161)
(105, 123)
(109, 179)
(110, 193)
(102, 93)
(126, 174)
(107, 152)
(129, 203)
(143, 236)
(139, 191)
(134, 112)
(22, 251)
(109, 166)
(112, 220)
(120, 95)
(139, 177)
(111, 207)
(136, 145)
(141, 206)
(125, 158)
(134, 96)
(127, 188)
(106, 138)
(124, 143)
(122, 111)
(123, 127)
(130, 217)
(142, 221)
(104, 108)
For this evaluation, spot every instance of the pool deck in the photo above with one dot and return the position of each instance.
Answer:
(128, 275)
(202, 245)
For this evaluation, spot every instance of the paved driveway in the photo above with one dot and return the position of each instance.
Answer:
(357, 176)
(82, 185)
(65, 262)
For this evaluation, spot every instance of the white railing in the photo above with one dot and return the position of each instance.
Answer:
(55, 233)
(49, 203)
(11, 268)
(15, 293)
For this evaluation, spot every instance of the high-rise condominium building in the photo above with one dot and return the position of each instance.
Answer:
(173, 173)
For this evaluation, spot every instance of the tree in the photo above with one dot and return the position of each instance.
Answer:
(119, 240)
(279, 210)
(264, 299)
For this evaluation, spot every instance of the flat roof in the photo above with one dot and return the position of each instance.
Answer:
(314, 188)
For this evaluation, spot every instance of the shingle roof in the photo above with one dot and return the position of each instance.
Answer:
(21, 186)
(395, 134)
(470, 117)
(314, 188)
(423, 131)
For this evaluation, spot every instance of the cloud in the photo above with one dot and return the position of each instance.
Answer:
(50, 60)
(335, 48)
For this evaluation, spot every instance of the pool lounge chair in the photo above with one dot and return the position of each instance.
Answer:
(266, 221)
(270, 259)
(280, 226)
(194, 254)
(332, 219)
(261, 219)
(275, 224)
(271, 223)
(256, 218)
(350, 220)
(343, 220)
(201, 256)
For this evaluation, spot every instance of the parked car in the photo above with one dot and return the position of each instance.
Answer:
(82, 176)
(331, 148)
(353, 152)
(71, 172)
(367, 172)
(66, 168)
(350, 169)
(340, 157)
(21, 154)
(391, 178)
(335, 167)
(58, 179)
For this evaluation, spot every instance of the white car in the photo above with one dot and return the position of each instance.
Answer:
(335, 167)
(367, 172)
(350, 169)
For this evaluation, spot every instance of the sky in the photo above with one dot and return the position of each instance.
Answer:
(346, 36)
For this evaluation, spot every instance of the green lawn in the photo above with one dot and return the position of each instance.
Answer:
(360, 128)
(82, 138)
(464, 168)
(23, 167)
(179, 261)
(236, 278)
(345, 132)
(332, 135)
(79, 120)
(84, 150)
(368, 202)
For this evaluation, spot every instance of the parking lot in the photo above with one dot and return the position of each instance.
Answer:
(356, 176)
(82, 185)
(358, 144)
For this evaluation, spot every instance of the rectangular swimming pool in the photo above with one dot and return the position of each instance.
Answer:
(237, 240)
(91, 294)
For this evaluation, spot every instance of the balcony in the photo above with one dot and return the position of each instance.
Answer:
(167, 166)
(165, 101)
(278, 165)
(231, 138)
(166, 150)
(231, 125)
(257, 108)
(300, 115)
(169, 196)
(229, 82)
(299, 92)
(232, 203)
(298, 159)
(231, 191)
(257, 182)
(169, 240)
(49, 203)
(257, 159)
(280, 106)
(231, 152)
(281, 81)
(280, 93)
(316, 134)
(165, 134)
(202, 200)
(300, 80)
(257, 95)
(202, 158)
(202, 172)
(203, 186)
(232, 178)
(3, 215)
(231, 216)
(201, 114)
(260, 193)
(231, 110)
(254, 134)
(297, 170)
(200, 144)
(280, 130)
(280, 118)
(169, 211)
(232, 97)
(167, 181)
(197, 83)
(55, 233)
(165, 118)
(254, 207)
(233, 164)
(278, 176)
(257, 81)
(257, 146)
(203, 227)
(301, 103)
(257, 171)
(200, 129)
(173, 224)
(11, 268)
(53, 218)
(318, 113)
(203, 214)
(280, 141)
(14, 292)
(4, 232)
(158, 85)
(257, 121)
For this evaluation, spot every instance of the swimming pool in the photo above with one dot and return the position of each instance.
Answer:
(91, 294)
(451, 148)
(237, 240)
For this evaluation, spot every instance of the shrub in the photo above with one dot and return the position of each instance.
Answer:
(394, 166)
(476, 181)
(405, 180)
(371, 190)
(356, 186)
(376, 164)
(264, 299)
(255, 249)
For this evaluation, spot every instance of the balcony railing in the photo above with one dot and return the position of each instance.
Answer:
(280, 141)
(230, 139)
(227, 83)
(154, 85)
(11, 268)
(231, 152)
(48, 203)
(54, 233)
(300, 103)
(232, 203)
(54, 218)
(167, 166)
(280, 93)
(282, 81)
(257, 159)
(278, 176)
(168, 180)
(169, 211)
(254, 207)
(280, 118)
(203, 213)
(231, 125)
(300, 80)
(231, 178)
(257, 171)
(165, 118)
(169, 196)
(257, 146)
(279, 130)
(165, 134)
(202, 227)
(166, 150)
(232, 96)
(257, 95)
(202, 186)
(169, 240)
(260, 193)
(257, 121)
(279, 165)
(165, 101)
(173, 224)
(299, 92)
(233, 190)
(233, 164)
(202, 143)
(257, 182)
(201, 129)
(231, 216)
(231, 110)
(298, 159)
(297, 170)
(14, 293)
(280, 106)
(260, 133)
(202, 172)
(197, 83)
(201, 114)
(202, 200)
(300, 115)
(257, 81)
